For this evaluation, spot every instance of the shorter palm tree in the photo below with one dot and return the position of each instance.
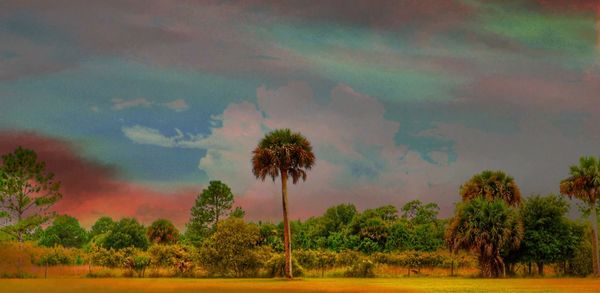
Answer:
(584, 184)
(492, 185)
(485, 227)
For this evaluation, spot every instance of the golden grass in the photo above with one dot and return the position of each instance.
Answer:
(306, 285)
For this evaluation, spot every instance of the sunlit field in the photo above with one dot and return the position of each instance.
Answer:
(303, 285)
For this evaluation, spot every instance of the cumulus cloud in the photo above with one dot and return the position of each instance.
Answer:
(354, 143)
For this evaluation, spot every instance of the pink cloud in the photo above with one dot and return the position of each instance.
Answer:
(91, 190)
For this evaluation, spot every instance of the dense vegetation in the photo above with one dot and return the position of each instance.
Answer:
(494, 229)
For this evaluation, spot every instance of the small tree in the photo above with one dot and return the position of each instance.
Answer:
(162, 231)
(210, 207)
(125, 233)
(102, 226)
(548, 237)
(232, 250)
(65, 231)
(27, 190)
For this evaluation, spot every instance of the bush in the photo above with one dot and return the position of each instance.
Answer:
(137, 262)
(581, 263)
(101, 256)
(276, 266)
(179, 258)
(364, 268)
(232, 250)
(347, 258)
(316, 259)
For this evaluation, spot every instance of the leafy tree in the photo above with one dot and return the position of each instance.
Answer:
(485, 227)
(102, 226)
(127, 232)
(238, 212)
(548, 236)
(337, 218)
(372, 228)
(492, 185)
(27, 190)
(283, 153)
(162, 231)
(418, 213)
(584, 184)
(211, 205)
(65, 231)
(232, 248)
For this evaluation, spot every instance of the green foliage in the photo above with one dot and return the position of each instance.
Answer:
(179, 258)
(271, 236)
(238, 212)
(27, 190)
(100, 256)
(210, 207)
(584, 184)
(64, 231)
(276, 266)
(54, 256)
(232, 250)
(162, 231)
(102, 226)
(485, 227)
(549, 236)
(137, 262)
(363, 268)
(125, 233)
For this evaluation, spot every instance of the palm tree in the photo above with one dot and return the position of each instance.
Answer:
(584, 184)
(287, 154)
(491, 185)
(485, 227)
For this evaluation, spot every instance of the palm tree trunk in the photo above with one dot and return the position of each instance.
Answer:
(595, 262)
(286, 227)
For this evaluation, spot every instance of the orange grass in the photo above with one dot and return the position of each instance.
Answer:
(305, 285)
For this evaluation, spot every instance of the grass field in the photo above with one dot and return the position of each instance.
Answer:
(299, 286)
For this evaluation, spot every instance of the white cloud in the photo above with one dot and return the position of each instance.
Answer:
(178, 105)
(358, 159)
(150, 136)
(121, 104)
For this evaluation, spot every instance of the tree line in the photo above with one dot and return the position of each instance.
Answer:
(500, 229)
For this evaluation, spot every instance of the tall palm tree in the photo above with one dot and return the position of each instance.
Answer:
(584, 184)
(287, 154)
(491, 185)
(485, 227)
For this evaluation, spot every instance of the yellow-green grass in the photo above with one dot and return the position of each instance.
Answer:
(297, 286)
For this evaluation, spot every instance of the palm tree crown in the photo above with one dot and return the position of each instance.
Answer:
(491, 185)
(283, 151)
(584, 182)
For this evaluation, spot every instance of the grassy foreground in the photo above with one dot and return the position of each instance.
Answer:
(305, 285)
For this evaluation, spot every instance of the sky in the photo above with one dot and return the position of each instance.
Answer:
(137, 105)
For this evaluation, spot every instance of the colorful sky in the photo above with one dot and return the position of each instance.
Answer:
(136, 105)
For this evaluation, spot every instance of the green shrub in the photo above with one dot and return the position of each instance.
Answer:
(232, 250)
(276, 266)
(137, 262)
(363, 268)
(179, 258)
